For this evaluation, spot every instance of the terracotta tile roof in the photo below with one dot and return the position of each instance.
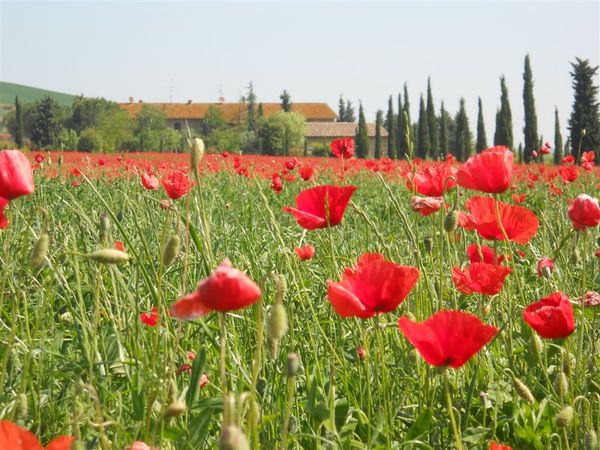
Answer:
(231, 111)
(338, 129)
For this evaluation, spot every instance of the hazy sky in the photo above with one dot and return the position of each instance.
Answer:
(315, 50)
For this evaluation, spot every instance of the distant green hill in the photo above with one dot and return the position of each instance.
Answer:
(28, 94)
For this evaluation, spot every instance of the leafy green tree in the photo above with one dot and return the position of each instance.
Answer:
(281, 132)
(150, 123)
(391, 129)
(68, 139)
(481, 138)
(585, 114)
(558, 140)
(116, 129)
(434, 141)
(90, 141)
(19, 126)
(362, 135)
(270, 137)
(286, 101)
(46, 122)
(378, 126)
(463, 134)
(423, 143)
(212, 120)
(87, 112)
(530, 130)
(503, 134)
(444, 136)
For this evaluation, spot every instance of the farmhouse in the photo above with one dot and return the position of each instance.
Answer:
(320, 134)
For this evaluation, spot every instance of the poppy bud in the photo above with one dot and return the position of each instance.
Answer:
(39, 252)
(175, 409)
(561, 384)
(590, 440)
(450, 221)
(486, 309)
(281, 286)
(361, 352)
(293, 426)
(197, 152)
(428, 244)
(233, 438)
(583, 132)
(538, 345)
(575, 257)
(523, 390)
(564, 417)
(171, 250)
(108, 256)
(104, 226)
(293, 365)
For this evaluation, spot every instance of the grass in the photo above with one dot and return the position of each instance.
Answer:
(76, 359)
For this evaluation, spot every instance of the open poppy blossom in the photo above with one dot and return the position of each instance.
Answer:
(306, 172)
(373, 286)
(13, 437)
(496, 446)
(16, 175)
(226, 289)
(447, 338)
(519, 223)
(176, 184)
(151, 318)
(426, 205)
(149, 181)
(342, 148)
(3, 219)
(480, 277)
(584, 212)
(321, 206)
(276, 183)
(432, 181)
(305, 252)
(551, 317)
(545, 265)
(489, 171)
(483, 253)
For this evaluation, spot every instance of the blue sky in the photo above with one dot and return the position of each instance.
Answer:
(315, 50)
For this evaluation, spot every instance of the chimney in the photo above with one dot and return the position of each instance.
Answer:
(221, 99)
(140, 101)
(130, 99)
(189, 102)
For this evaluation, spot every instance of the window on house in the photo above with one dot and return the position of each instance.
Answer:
(177, 126)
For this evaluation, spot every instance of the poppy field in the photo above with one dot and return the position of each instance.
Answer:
(191, 301)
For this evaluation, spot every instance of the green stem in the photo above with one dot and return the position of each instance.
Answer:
(457, 437)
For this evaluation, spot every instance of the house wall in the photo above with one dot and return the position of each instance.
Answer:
(194, 124)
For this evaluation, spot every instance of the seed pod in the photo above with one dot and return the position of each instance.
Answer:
(293, 365)
(104, 227)
(277, 323)
(39, 252)
(171, 250)
(108, 256)
(561, 384)
(361, 353)
(538, 345)
(197, 152)
(486, 309)
(233, 438)
(281, 286)
(575, 257)
(450, 221)
(175, 409)
(590, 440)
(428, 244)
(546, 272)
(523, 390)
(564, 417)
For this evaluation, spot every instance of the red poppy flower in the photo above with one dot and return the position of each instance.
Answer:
(39, 158)
(276, 183)
(591, 298)
(373, 286)
(321, 206)
(291, 164)
(225, 154)
(544, 263)
(569, 173)
(176, 185)
(184, 368)
(151, 318)
(3, 219)
(483, 253)
(433, 181)
(584, 212)
(13, 437)
(120, 246)
(149, 181)
(519, 223)
(343, 148)
(481, 278)
(569, 159)
(496, 446)
(551, 317)
(306, 172)
(489, 171)
(305, 252)
(447, 338)
(226, 289)
(426, 205)
(518, 198)
(588, 157)
(16, 175)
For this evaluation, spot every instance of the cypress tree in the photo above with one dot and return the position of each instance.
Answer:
(251, 117)
(530, 130)
(585, 114)
(391, 129)
(19, 132)
(378, 125)
(286, 101)
(350, 116)
(504, 134)
(558, 141)
(362, 135)
(406, 126)
(444, 141)
(434, 149)
(260, 111)
(341, 110)
(481, 139)
(463, 134)
(520, 153)
(399, 128)
(424, 144)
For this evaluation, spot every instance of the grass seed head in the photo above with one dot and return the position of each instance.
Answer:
(170, 250)
(523, 390)
(564, 417)
(175, 409)
(590, 440)
(293, 364)
(108, 256)
(233, 438)
(39, 252)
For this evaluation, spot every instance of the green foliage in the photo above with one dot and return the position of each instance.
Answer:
(504, 132)
(423, 143)
(341, 109)
(90, 141)
(212, 121)
(378, 126)
(69, 140)
(434, 141)
(46, 122)
(19, 125)
(251, 115)
(558, 140)
(463, 137)
(362, 135)
(399, 129)
(390, 123)
(406, 124)
(152, 133)
(530, 130)
(286, 101)
(281, 132)
(87, 112)
(116, 129)
(481, 138)
(229, 139)
(585, 114)
(444, 132)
